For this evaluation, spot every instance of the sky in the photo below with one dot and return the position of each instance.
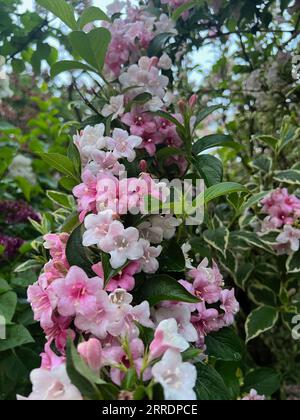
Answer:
(28, 4)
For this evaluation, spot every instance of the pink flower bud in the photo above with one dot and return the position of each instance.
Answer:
(182, 106)
(193, 100)
(91, 352)
(143, 166)
(153, 62)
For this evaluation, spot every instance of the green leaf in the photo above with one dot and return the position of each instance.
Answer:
(16, 336)
(76, 252)
(160, 288)
(190, 354)
(213, 140)
(166, 152)
(91, 14)
(230, 373)
(28, 265)
(243, 274)
(59, 198)
(74, 156)
(293, 263)
(61, 163)
(210, 385)
(259, 321)
(218, 239)
(254, 200)
(25, 186)
(206, 112)
(183, 8)
(225, 188)
(172, 258)
(92, 47)
(263, 164)
(158, 43)
(224, 345)
(290, 176)
(209, 168)
(68, 183)
(68, 65)
(62, 10)
(272, 142)
(4, 286)
(262, 295)
(265, 381)
(8, 304)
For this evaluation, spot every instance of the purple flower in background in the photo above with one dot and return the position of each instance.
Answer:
(17, 211)
(11, 246)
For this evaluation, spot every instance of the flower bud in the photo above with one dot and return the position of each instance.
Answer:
(193, 100)
(91, 352)
(143, 166)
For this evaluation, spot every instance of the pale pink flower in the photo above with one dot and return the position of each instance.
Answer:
(167, 337)
(229, 305)
(182, 314)
(115, 108)
(253, 396)
(43, 303)
(89, 140)
(107, 192)
(98, 322)
(97, 227)
(53, 385)
(56, 244)
(86, 194)
(122, 244)
(178, 379)
(122, 145)
(105, 162)
(149, 262)
(91, 352)
(290, 237)
(77, 293)
(165, 62)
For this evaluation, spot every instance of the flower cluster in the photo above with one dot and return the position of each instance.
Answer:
(119, 236)
(283, 211)
(21, 166)
(11, 246)
(5, 91)
(15, 212)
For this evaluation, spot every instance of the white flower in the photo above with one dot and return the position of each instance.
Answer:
(115, 107)
(115, 7)
(122, 244)
(165, 62)
(21, 167)
(123, 145)
(177, 379)
(157, 228)
(90, 140)
(53, 385)
(186, 248)
(149, 263)
(290, 236)
(97, 227)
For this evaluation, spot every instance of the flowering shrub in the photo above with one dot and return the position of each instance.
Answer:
(155, 285)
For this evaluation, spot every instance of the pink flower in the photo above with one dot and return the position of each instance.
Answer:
(282, 207)
(91, 352)
(167, 337)
(97, 227)
(206, 321)
(140, 122)
(77, 293)
(253, 396)
(60, 332)
(229, 305)
(56, 243)
(122, 145)
(290, 237)
(43, 302)
(124, 280)
(98, 321)
(165, 62)
(207, 282)
(49, 359)
(149, 263)
(53, 385)
(86, 194)
(115, 108)
(107, 192)
(105, 162)
(122, 244)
